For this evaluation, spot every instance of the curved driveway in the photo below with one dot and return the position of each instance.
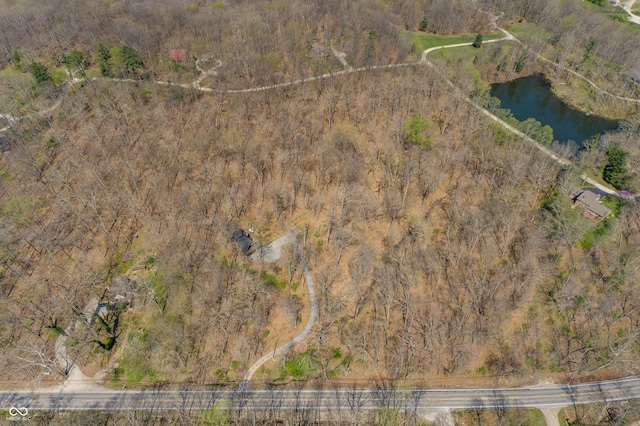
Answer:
(552, 395)
(271, 253)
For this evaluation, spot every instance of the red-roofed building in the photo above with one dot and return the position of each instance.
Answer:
(178, 55)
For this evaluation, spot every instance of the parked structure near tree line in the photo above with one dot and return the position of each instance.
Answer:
(244, 242)
(588, 201)
(178, 55)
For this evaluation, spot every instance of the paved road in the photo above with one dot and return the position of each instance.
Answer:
(247, 399)
(548, 396)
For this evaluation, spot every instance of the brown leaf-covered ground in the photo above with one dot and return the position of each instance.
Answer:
(454, 259)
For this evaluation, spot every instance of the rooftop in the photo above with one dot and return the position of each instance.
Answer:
(589, 200)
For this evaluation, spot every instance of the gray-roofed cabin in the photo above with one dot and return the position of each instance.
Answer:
(244, 242)
(589, 202)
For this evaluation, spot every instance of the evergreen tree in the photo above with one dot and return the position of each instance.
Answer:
(478, 41)
(76, 61)
(40, 72)
(102, 58)
(423, 24)
(17, 60)
(615, 172)
(130, 59)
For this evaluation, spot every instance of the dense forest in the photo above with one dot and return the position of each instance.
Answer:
(441, 245)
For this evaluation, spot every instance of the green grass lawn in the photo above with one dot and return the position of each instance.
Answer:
(635, 9)
(422, 41)
(452, 61)
(451, 58)
(528, 31)
(58, 74)
(11, 71)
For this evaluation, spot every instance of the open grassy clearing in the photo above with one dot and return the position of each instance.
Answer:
(422, 40)
(528, 31)
(458, 64)
(609, 8)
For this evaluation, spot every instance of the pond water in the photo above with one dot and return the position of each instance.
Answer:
(532, 97)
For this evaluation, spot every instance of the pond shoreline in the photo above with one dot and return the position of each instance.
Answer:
(570, 90)
(532, 98)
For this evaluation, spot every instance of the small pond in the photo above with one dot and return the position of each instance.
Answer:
(532, 97)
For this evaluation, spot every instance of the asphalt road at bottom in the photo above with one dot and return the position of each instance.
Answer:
(344, 399)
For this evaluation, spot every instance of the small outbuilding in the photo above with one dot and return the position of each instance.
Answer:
(244, 242)
(588, 200)
(178, 55)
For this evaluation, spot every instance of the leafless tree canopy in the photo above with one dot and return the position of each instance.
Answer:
(464, 256)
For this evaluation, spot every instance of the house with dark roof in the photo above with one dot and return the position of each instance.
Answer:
(243, 241)
(633, 75)
(588, 200)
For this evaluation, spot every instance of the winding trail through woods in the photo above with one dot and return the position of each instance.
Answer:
(196, 84)
(81, 395)
(557, 158)
(271, 253)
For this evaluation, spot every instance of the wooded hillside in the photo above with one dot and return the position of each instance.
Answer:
(440, 244)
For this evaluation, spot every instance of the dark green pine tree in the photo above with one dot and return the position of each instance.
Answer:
(615, 172)
(478, 41)
(102, 58)
(76, 61)
(423, 24)
(40, 72)
(131, 59)
(17, 60)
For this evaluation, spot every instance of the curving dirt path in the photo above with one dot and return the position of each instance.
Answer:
(11, 119)
(271, 253)
(196, 84)
(341, 57)
(423, 58)
(209, 73)
(558, 159)
(626, 5)
(562, 67)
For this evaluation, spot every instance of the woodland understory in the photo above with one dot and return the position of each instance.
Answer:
(457, 253)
